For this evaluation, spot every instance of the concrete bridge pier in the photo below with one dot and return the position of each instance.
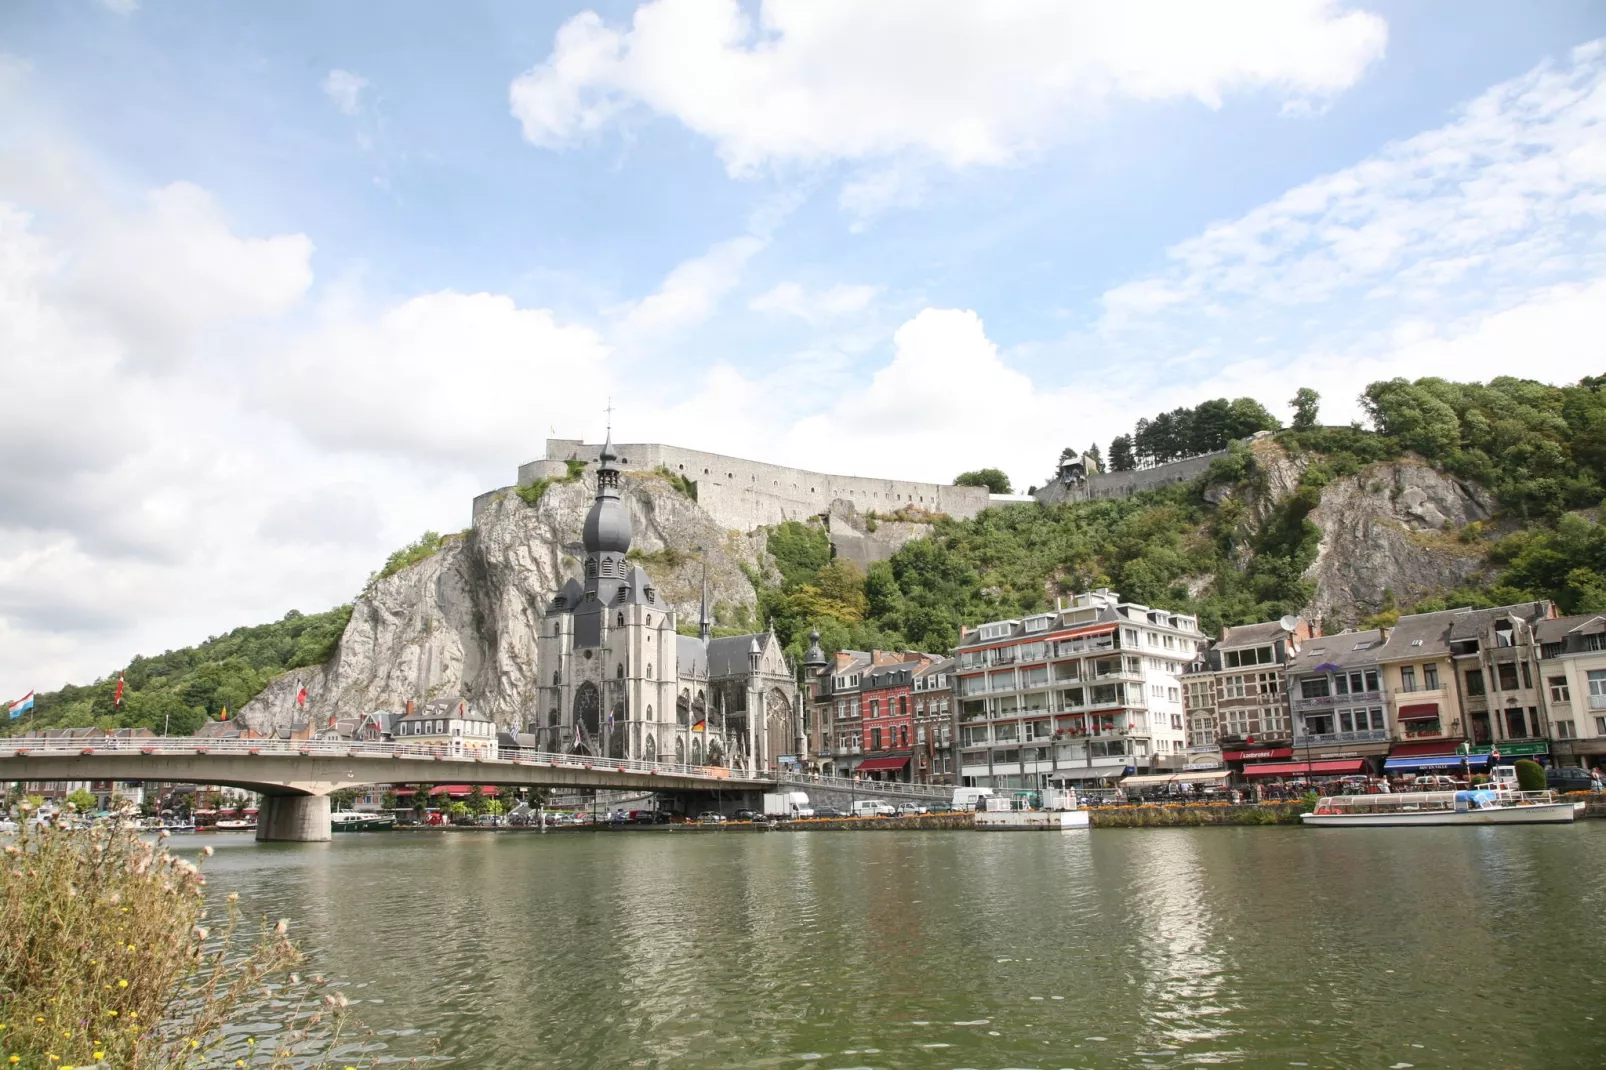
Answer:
(294, 818)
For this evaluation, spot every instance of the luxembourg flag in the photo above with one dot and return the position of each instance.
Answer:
(21, 706)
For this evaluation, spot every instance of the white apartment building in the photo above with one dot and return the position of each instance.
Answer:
(1572, 667)
(1088, 692)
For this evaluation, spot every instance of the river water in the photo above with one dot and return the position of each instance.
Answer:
(1111, 948)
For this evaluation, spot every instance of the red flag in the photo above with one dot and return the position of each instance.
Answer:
(409, 707)
(301, 697)
(117, 699)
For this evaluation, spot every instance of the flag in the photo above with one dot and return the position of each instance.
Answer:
(224, 715)
(409, 707)
(21, 706)
(577, 740)
(117, 699)
(700, 726)
(301, 697)
(462, 708)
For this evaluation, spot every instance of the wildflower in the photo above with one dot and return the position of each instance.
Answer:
(282, 927)
(100, 1055)
(37, 1018)
(201, 932)
(207, 850)
(164, 834)
(15, 1059)
(133, 1014)
(122, 982)
(111, 1014)
(234, 897)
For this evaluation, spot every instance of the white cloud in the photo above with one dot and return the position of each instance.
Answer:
(814, 306)
(690, 293)
(345, 89)
(820, 80)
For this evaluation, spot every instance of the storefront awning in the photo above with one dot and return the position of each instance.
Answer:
(1335, 767)
(1198, 776)
(1435, 761)
(1251, 754)
(877, 765)
(1423, 711)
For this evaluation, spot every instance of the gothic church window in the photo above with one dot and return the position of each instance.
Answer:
(621, 620)
(588, 708)
(556, 680)
(649, 670)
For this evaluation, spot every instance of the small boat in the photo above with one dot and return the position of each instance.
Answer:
(1482, 806)
(1055, 810)
(360, 821)
(243, 824)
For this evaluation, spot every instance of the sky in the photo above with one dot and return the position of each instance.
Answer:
(283, 286)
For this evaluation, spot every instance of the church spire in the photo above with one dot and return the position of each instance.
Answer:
(705, 623)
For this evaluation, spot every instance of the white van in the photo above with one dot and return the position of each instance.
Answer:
(970, 798)
(872, 808)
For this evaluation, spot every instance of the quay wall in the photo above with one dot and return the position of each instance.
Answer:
(1137, 817)
(743, 494)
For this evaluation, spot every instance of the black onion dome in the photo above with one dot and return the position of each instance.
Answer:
(607, 528)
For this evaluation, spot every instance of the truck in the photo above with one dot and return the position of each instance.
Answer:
(873, 808)
(784, 805)
(970, 798)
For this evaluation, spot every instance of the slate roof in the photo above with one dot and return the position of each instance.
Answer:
(1251, 635)
(1556, 631)
(1338, 650)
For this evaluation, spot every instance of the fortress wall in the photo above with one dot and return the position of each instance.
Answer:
(745, 494)
(1125, 484)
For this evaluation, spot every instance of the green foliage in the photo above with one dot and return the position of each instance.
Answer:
(668, 557)
(82, 801)
(800, 550)
(532, 492)
(993, 479)
(426, 546)
(1530, 775)
(1122, 457)
(182, 688)
(686, 487)
(1184, 432)
(1541, 449)
(1306, 404)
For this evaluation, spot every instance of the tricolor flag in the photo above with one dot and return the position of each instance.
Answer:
(700, 726)
(20, 707)
(301, 697)
(224, 715)
(117, 698)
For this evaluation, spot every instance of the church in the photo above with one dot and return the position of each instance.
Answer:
(617, 681)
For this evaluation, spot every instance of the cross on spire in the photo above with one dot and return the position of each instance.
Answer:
(609, 411)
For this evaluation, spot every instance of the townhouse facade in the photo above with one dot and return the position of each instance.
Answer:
(934, 723)
(1572, 668)
(1088, 692)
(1235, 704)
(1338, 708)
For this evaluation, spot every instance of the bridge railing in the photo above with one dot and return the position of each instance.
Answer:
(21, 746)
(869, 789)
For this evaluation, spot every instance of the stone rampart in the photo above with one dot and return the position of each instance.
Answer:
(1126, 484)
(743, 494)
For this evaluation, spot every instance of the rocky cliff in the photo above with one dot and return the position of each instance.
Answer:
(1389, 531)
(463, 621)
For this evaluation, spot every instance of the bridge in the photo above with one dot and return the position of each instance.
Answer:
(295, 777)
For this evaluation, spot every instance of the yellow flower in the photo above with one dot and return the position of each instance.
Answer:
(15, 1059)
(100, 1055)
(121, 983)
(38, 1018)
(133, 1014)
(112, 1013)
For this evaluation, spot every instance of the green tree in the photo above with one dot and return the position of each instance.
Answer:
(1306, 404)
(1530, 775)
(1121, 458)
(343, 799)
(993, 479)
(1098, 458)
(476, 799)
(82, 801)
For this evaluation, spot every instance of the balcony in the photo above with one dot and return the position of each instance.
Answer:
(823, 752)
(1597, 702)
(1322, 739)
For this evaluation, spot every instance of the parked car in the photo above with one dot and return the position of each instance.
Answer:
(745, 814)
(651, 817)
(829, 811)
(913, 809)
(710, 817)
(1435, 783)
(873, 808)
(1565, 778)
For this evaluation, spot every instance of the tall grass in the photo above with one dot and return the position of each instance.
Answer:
(108, 958)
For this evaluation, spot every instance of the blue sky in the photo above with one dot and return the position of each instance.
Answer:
(282, 286)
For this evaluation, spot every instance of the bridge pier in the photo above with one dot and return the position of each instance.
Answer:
(294, 818)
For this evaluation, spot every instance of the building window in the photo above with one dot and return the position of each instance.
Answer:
(1430, 677)
(1408, 678)
(1558, 689)
(1600, 726)
(1516, 723)
(875, 739)
(1475, 683)
(1564, 730)
(1316, 686)
(1508, 676)
(875, 708)
(903, 735)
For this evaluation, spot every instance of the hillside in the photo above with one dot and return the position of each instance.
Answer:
(1462, 494)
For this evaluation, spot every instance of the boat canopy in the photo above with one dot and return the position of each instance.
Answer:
(1435, 761)
(1198, 776)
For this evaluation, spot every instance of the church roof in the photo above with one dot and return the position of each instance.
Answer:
(691, 656)
(728, 656)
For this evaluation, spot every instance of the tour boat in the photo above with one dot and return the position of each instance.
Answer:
(243, 824)
(1477, 807)
(1058, 811)
(359, 821)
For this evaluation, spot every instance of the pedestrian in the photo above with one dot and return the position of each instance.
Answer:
(1595, 782)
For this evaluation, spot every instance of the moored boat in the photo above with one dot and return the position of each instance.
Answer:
(1476, 807)
(1051, 810)
(244, 824)
(359, 821)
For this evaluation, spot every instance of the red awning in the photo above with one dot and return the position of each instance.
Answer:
(1257, 754)
(1422, 747)
(877, 765)
(1336, 767)
(1424, 711)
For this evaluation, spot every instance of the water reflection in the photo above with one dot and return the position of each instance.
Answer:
(1110, 949)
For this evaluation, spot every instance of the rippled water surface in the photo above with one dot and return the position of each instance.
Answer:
(1255, 946)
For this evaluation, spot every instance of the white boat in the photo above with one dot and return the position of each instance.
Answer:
(360, 821)
(1477, 807)
(236, 825)
(1059, 811)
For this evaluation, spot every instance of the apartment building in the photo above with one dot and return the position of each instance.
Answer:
(886, 696)
(1337, 703)
(1464, 676)
(1088, 692)
(835, 741)
(934, 723)
(1572, 667)
(1234, 695)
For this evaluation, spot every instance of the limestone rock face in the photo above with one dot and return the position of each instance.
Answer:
(1390, 528)
(464, 621)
